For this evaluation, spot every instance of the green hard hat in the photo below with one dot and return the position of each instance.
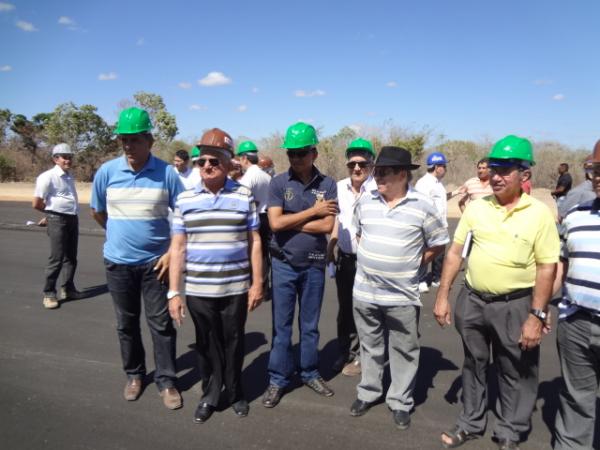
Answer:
(132, 121)
(360, 144)
(246, 147)
(195, 153)
(514, 148)
(300, 135)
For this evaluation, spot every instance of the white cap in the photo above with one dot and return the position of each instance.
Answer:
(62, 149)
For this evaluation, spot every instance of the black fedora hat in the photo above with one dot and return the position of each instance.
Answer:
(395, 156)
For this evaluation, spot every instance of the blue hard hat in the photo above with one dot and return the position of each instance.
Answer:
(436, 159)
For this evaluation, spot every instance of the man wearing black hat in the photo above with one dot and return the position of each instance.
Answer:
(398, 229)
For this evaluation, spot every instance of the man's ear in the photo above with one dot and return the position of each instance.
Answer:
(315, 154)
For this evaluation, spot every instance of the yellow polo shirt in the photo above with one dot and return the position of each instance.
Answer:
(507, 245)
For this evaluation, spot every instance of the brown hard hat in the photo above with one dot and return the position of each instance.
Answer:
(216, 138)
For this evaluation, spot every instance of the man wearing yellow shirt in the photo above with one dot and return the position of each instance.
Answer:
(502, 309)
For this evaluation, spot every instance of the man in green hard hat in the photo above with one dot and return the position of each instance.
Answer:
(302, 208)
(255, 179)
(131, 197)
(503, 306)
(359, 161)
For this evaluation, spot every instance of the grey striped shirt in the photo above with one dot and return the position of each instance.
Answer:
(392, 242)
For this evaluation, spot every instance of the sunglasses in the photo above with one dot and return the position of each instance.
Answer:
(362, 164)
(214, 162)
(504, 171)
(385, 171)
(298, 154)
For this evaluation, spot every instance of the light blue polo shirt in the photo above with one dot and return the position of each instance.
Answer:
(137, 204)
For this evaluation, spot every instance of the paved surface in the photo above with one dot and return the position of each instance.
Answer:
(61, 380)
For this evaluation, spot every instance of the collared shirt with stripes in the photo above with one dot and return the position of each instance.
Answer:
(391, 245)
(216, 227)
(581, 247)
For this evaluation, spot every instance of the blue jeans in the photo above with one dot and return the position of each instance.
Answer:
(305, 284)
(128, 285)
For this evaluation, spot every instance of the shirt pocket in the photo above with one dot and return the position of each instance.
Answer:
(522, 251)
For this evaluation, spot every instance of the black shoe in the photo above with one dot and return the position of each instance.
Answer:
(320, 387)
(507, 444)
(241, 408)
(359, 407)
(203, 412)
(401, 418)
(272, 396)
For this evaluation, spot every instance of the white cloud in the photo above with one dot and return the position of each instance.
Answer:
(26, 26)
(542, 82)
(558, 97)
(185, 85)
(255, 90)
(242, 108)
(214, 79)
(5, 68)
(196, 107)
(5, 7)
(141, 41)
(315, 93)
(391, 84)
(64, 20)
(107, 76)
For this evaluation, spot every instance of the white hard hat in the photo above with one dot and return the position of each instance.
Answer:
(62, 149)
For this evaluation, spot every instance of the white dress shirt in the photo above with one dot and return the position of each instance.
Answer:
(186, 178)
(433, 188)
(257, 181)
(347, 201)
(57, 189)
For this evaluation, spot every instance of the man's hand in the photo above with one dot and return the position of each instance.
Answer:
(43, 222)
(255, 296)
(531, 333)
(162, 267)
(442, 311)
(324, 208)
(177, 309)
(547, 327)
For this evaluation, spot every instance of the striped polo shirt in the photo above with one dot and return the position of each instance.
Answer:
(476, 189)
(137, 205)
(391, 245)
(216, 228)
(581, 247)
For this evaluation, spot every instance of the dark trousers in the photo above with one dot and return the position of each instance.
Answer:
(219, 324)
(265, 238)
(436, 270)
(496, 325)
(63, 230)
(129, 286)
(346, 329)
(578, 341)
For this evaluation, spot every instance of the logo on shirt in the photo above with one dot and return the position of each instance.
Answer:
(288, 194)
(320, 195)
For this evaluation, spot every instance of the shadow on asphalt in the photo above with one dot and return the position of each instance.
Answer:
(89, 292)
(431, 361)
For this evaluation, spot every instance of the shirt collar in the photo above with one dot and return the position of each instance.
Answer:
(229, 186)
(368, 184)
(410, 195)
(524, 202)
(60, 171)
(315, 174)
(150, 164)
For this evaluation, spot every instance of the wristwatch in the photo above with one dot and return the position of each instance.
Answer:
(539, 313)
(172, 294)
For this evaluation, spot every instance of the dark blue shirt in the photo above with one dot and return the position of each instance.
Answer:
(289, 193)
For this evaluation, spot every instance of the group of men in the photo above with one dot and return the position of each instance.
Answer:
(213, 261)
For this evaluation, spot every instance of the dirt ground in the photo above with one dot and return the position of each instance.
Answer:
(22, 192)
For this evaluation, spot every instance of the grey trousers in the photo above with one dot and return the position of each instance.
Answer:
(63, 231)
(578, 342)
(400, 323)
(497, 327)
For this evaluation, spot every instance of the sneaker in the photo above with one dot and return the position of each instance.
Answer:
(435, 284)
(352, 369)
(320, 387)
(50, 302)
(423, 288)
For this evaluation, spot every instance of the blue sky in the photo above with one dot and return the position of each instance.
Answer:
(467, 69)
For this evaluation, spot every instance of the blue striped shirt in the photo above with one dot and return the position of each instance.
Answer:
(216, 228)
(581, 247)
(391, 246)
(137, 205)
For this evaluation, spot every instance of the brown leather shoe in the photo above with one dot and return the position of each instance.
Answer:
(171, 398)
(133, 389)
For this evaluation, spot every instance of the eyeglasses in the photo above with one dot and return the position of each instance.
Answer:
(362, 164)
(385, 171)
(214, 162)
(504, 171)
(298, 154)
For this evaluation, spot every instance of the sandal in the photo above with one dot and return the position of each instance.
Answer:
(457, 437)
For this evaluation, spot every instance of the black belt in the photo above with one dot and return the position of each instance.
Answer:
(489, 298)
(588, 313)
(344, 255)
(54, 213)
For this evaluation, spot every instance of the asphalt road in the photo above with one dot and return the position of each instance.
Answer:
(61, 380)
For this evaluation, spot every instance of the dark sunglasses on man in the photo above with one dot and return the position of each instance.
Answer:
(298, 153)
(213, 162)
(361, 164)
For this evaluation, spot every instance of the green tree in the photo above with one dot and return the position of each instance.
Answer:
(5, 120)
(27, 131)
(164, 122)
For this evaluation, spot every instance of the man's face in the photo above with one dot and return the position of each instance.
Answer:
(359, 168)
(136, 147)
(213, 167)
(561, 169)
(63, 161)
(506, 181)
(301, 160)
(386, 179)
(440, 171)
(483, 171)
(595, 174)
(180, 164)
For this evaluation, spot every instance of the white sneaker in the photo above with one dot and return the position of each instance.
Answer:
(423, 287)
(435, 284)
(50, 302)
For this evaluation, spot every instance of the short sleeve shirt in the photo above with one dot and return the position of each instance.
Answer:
(565, 181)
(57, 189)
(289, 193)
(433, 188)
(347, 201)
(258, 182)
